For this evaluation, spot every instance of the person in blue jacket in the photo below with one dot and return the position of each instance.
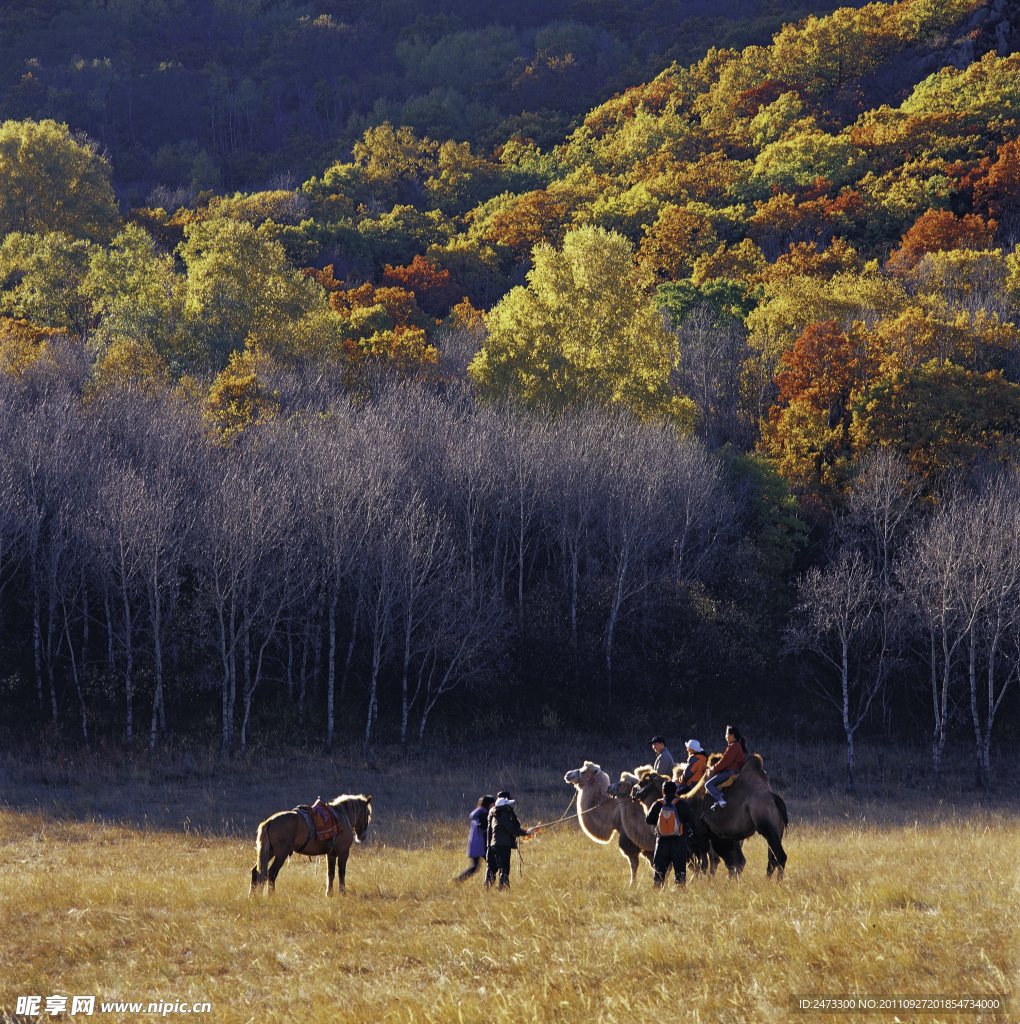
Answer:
(476, 836)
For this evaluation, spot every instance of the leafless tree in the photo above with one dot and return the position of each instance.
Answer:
(988, 595)
(927, 576)
(709, 371)
(834, 623)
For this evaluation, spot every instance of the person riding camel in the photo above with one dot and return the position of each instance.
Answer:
(732, 761)
(663, 758)
(690, 773)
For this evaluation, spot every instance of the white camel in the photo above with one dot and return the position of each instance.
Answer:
(601, 815)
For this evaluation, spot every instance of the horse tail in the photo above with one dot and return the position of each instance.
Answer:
(263, 851)
(781, 807)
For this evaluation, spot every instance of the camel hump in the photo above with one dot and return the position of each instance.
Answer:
(755, 764)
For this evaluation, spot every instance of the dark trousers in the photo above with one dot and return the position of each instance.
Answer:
(497, 860)
(476, 863)
(670, 851)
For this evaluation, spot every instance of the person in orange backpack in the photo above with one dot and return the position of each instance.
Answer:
(689, 774)
(673, 823)
(732, 761)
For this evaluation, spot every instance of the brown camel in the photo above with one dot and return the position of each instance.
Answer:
(701, 855)
(601, 815)
(750, 807)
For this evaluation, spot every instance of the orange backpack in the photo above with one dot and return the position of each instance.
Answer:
(669, 823)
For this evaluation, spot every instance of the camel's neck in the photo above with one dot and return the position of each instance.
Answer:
(596, 810)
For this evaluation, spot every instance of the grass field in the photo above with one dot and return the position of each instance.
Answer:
(130, 883)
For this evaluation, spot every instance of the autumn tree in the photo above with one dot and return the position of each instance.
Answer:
(53, 181)
(943, 419)
(434, 290)
(240, 283)
(678, 238)
(938, 230)
(582, 331)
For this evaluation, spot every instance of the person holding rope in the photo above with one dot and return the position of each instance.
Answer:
(501, 838)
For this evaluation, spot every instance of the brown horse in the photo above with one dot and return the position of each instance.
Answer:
(750, 807)
(288, 832)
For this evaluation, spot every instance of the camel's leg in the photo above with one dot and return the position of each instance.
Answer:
(341, 869)
(777, 855)
(274, 869)
(632, 852)
(330, 870)
(256, 882)
(729, 854)
(738, 855)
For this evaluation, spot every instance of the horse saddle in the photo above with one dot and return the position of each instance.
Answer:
(325, 823)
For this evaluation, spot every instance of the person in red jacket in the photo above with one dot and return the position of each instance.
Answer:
(732, 761)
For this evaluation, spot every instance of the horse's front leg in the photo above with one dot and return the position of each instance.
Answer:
(331, 871)
(341, 860)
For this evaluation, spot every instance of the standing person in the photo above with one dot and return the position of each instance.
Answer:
(479, 819)
(689, 774)
(663, 758)
(732, 761)
(671, 818)
(501, 838)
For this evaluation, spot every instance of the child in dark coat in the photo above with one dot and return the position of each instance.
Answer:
(476, 836)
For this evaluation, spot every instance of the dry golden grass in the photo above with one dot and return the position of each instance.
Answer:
(908, 897)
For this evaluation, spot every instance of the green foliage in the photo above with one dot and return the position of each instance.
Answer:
(773, 523)
(140, 297)
(730, 301)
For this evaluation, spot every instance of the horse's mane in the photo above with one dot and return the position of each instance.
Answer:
(350, 796)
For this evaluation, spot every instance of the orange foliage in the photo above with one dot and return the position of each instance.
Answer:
(466, 316)
(399, 304)
(750, 101)
(804, 258)
(325, 278)
(529, 219)
(678, 238)
(705, 180)
(939, 231)
(434, 290)
(826, 367)
(994, 185)
(808, 214)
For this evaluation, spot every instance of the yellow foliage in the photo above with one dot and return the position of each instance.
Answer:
(22, 345)
(737, 263)
(133, 364)
(241, 395)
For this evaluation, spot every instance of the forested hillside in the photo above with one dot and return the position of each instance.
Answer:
(235, 92)
(534, 366)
